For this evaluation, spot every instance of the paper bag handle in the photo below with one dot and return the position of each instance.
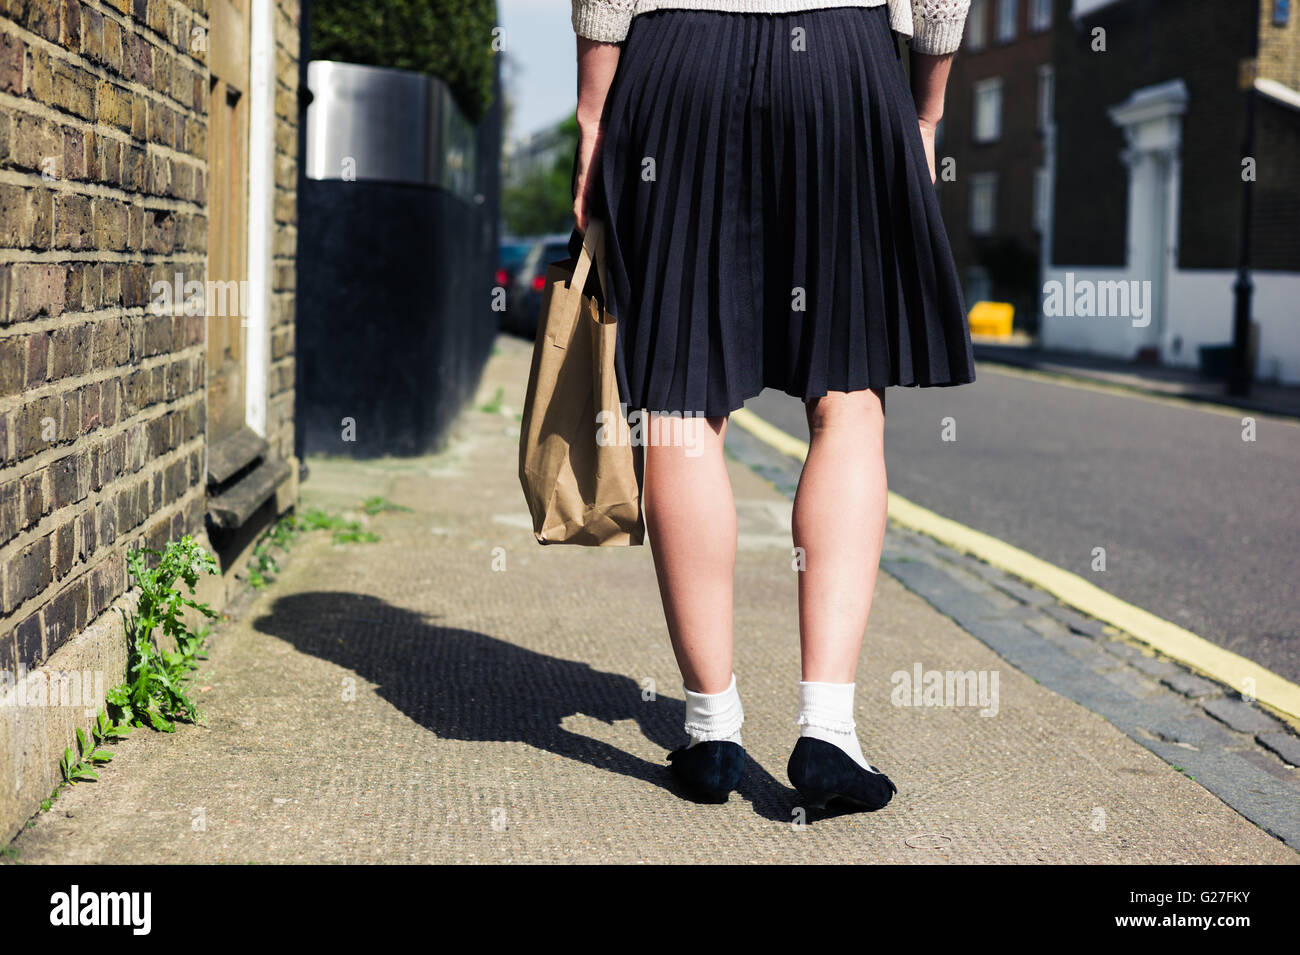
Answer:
(592, 248)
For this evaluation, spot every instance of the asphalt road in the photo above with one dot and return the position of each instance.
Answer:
(1198, 526)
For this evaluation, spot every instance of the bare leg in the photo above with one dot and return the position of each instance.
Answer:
(839, 521)
(691, 520)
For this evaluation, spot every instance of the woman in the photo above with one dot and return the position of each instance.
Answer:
(767, 179)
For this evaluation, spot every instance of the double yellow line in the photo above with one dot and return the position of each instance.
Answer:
(1245, 676)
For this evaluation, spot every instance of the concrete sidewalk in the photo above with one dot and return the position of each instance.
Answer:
(457, 693)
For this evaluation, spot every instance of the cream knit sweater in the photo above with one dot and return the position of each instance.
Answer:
(935, 26)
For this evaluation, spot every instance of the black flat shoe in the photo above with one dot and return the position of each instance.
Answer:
(709, 770)
(824, 773)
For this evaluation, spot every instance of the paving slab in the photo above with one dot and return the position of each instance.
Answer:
(1241, 716)
(1189, 685)
(1283, 744)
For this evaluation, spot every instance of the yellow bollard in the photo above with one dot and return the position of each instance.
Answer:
(992, 319)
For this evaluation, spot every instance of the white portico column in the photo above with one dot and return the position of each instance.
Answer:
(1152, 122)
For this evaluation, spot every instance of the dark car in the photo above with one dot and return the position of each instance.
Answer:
(525, 296)
(510, 258)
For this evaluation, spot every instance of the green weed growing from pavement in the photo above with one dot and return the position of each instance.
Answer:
(287, 529)
(81, 767)
(315, 519)
(345, 532)
(261, 567)
(279, 535)
(154, 693)
(353, 534)
(78, 768)
(494, 406)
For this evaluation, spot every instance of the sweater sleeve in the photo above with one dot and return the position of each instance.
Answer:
(606, 21)
(937, 25)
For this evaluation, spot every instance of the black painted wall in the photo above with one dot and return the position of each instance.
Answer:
(394, 308)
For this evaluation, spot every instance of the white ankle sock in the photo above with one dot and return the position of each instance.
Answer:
(714, 716)
(826, 713)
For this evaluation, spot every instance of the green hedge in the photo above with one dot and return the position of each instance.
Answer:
(448, 38)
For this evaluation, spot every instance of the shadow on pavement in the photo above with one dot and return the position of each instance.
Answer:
(469, 686)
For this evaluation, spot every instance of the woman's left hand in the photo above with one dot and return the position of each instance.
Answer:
(588, 158)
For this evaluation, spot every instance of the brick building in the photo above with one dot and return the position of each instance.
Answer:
(1148, 169)
(1098, 143)
(148, 197)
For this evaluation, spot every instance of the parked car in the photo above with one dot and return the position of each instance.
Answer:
(525, 299)
(510, 258)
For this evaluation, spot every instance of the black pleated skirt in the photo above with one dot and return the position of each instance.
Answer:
(772, 223)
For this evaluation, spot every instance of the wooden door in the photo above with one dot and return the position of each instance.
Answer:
(228, 105)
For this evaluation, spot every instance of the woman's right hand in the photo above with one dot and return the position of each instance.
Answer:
(928, 130)
(929, 76)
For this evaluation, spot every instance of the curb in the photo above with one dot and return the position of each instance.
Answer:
(1207, 400)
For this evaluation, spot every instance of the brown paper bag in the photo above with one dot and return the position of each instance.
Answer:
(580, 474)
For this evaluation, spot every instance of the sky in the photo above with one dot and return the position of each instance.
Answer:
(541, 71)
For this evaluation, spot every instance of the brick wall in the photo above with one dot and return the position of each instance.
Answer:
(103, 158)
(1275, 237)
(1279, 46)
(1276, 234)
(103, 193)
(103, 164)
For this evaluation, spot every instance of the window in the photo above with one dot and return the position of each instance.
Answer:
(977, 25)
(1041, 200)
(1007, 10)
(988, 110)
(1046, 95)
(1040, 15)
(983, 203)
(1281, 12)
